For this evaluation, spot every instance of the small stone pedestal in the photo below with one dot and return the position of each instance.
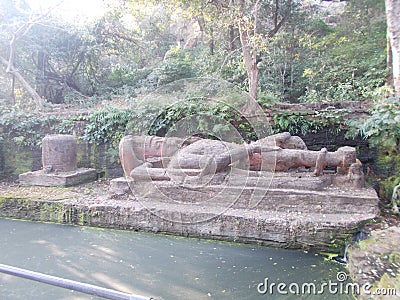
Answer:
(121, 185)
(59, 160)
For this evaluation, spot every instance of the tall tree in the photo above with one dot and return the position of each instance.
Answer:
(393, 28)
(17, 29)
(258, 21)
(255, 21)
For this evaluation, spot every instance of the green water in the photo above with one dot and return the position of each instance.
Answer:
(163, 267)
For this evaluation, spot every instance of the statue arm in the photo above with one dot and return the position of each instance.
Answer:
(236, 154)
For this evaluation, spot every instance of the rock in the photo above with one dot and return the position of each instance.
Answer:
(59, 152)
(366, 264)
(62, 179)
(121, 185)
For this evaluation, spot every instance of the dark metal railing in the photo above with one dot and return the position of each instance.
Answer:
(70, 284)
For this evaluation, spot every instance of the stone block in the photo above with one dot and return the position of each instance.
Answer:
(59, 153)
(121, 185)
(63, 179)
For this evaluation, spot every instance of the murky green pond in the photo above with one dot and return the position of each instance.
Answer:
(163, 267)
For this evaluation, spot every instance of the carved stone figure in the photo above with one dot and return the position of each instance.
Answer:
(163, 158)
(136, 150)
(287, 159)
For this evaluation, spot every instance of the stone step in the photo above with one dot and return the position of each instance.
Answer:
(329, 200)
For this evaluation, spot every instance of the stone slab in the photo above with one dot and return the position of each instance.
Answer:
(121, 185)
(63, 179)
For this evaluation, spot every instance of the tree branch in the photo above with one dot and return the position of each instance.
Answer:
(20, 32)
(255, 13)
(38, 100)
(395, 195)
(9, 64)
(278, 25)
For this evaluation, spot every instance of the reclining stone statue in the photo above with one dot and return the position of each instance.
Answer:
(166, 158)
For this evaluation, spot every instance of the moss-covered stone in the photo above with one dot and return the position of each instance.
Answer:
(394, 257)
(17, 160)
(375, 261)
(388, 171)
(386, 287)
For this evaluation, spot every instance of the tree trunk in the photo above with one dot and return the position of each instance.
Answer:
(250, 62)
(212, 44)
(13, 88)
(40, 75)
(395, 208)
(38, 100)
(231, 38)
(249, 55)
(393, 22)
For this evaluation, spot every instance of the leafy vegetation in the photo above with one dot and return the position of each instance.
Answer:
(138, 46)
(348, 62)
(24, 129)
(383, 126)
(382, 129)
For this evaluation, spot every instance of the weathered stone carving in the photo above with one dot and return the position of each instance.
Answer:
(287, 159)
(166, 158)
(59, 161)
(59, 153)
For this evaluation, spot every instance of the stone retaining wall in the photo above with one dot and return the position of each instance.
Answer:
(223, 227)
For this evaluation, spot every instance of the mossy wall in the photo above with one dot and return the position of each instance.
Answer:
(16, 159)
(388, 168)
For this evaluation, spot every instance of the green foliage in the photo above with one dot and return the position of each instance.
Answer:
(295, 124)
(267, 99)
(125, 80)
(132, 49)
(232, 68)
(388, 164)
(24, 129)
(177, 65)
(383, 126)
(382, 129)
(348, 63)
(304, 122)
(100, 127)
(106, 126)
(191, 117)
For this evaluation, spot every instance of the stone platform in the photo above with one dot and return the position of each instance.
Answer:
(291, 210)
(64, 179)
(284, 209)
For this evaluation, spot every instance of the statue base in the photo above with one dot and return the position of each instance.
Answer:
(63, 179)
(285, 209)
(121, 185)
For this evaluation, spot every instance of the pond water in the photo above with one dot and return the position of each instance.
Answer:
(164, 267)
